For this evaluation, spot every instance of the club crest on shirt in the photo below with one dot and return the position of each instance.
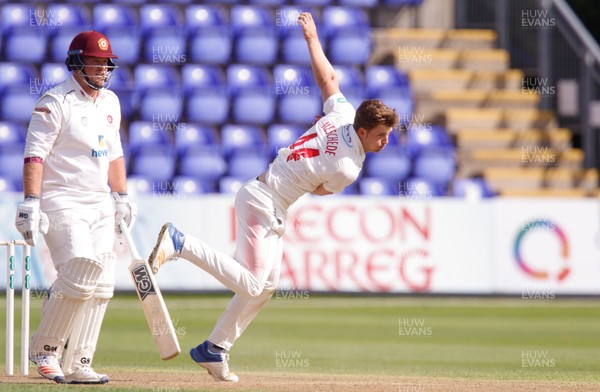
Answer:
(84, 121)
(346, 136)
(101, 141)
(109, 119)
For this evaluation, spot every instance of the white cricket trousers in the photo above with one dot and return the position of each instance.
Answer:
(252, 274)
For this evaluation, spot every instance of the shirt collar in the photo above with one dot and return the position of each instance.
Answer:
(81, 94)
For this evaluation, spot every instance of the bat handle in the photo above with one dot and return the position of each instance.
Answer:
(132, 248)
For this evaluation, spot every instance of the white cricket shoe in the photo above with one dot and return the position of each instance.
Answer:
(48, 367)
(168, 247)
(86, 375)
(215, 363)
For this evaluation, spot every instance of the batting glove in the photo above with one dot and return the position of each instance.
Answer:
(124, 210)
(30, 220)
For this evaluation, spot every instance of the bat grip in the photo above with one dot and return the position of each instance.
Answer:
(132, 248)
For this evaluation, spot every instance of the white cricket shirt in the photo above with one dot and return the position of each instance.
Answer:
(329, 153)
(76, 138)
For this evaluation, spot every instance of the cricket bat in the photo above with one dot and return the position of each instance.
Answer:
(153, 304)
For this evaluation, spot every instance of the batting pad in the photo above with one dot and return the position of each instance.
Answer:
(75, 284)
(84, 337)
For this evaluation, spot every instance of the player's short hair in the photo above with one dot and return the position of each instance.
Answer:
(372, 113)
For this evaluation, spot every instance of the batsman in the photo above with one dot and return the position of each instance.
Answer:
(73, 164)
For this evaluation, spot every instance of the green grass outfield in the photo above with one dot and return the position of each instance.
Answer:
(556, 340)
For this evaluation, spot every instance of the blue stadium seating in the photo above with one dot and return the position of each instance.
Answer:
(122, 79)
(471, 187)
(207, 105)
(336, 19)
(16, 104)
(53, 74)
(282, 135)
(154, 16)
(247, 164)
(122, 83)
(205, 16)
(125, 43)
(299, 97)
(160, 105)
(107, 16)
(69, 16)
(351, 84)
(436, 164)
(154, 162)
(18, 15)
(184, 186)
(230, 185)
(374, 186)
(18, 75)
(289, 77)
(202, 162)
(420, 188)
(165, 46)
(349, 47)
(138, 185)
(11, 134)
(358, 3)
(25, 44)
(255, 37)
(253, 106)
(59, 43)
(144, 133)
(209, 34)
(11, 162)
(241, 137)
(241, 76)
(10, 185)
(195, 135)
(150, 76)
(389, 84)
(202, 76)
(392, 164)
(422, 136)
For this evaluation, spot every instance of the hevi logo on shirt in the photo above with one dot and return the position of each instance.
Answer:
(100, 152)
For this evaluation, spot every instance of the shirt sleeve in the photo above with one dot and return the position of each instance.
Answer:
(45, 125)
(338, 104)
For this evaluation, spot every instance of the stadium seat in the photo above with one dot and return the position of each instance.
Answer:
(436, 164)
(11, 162)
(351, 84)
(400, 99)
(202, 76)
(202, 162)
(11, 134)
(207, 98)
(294, 49)
(255, 37)
(207, 105)
(230, 185)
(59, 43)
(125, 43)
(195, 135)
(10, 185)
(384, 76)
(138, 185)
(69, 16)
(122, 79)
(471, 188)
(16, 104)
(419, 137)
(189, 186)
(282, 135)
(247, 164)
(349, 46)
(311, 2)
(241, 76)
(205, 16)
(156, 76)
(154, 162)
(358, 3)
(337, 19)
(374, 186)
(26, 45)
(165, 46)
(108, 16)
(154, 16)
(420, 188)
(253, 106)
(142, 133)
(53, 74)
(299, 97)
(122, 83)
(391, 164)
(18, 75)
(160, 105)
(18, 15)
(208, 34)
(241, 137)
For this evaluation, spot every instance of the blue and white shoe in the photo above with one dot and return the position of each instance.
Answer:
(168, 247)
(215, 363)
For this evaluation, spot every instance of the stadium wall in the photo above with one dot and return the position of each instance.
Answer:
(526, 247)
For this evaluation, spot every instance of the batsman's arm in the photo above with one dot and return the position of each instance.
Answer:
(32, 179)
(117, 177)
(322, 69)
